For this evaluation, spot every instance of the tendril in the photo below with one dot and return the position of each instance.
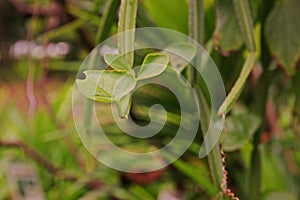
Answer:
(225, 190)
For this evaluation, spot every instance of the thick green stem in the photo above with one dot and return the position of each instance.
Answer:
(196, 20)
(214, 157)
(127, 21)
(196, 32)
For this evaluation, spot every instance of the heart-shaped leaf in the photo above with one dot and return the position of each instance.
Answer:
(106, 85)
(180, 54)
(153, 65)
(282, 33)
(116, 61)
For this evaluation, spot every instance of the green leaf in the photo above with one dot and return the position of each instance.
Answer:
(116, 61)
(124, 105)
(153, 65)
(240, 127)
(244, 17)
(180, 54)
(282, 32)
(227, 35)
(106, 85)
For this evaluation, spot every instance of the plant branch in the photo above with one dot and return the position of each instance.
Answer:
(127, 20)
(91, 184)
(196, 32)
(29, 151)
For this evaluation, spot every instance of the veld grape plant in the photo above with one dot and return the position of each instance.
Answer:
(256, 48)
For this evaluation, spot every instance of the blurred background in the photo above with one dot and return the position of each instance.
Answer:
(42, 45)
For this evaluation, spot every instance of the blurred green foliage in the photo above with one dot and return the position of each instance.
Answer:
(261, 135)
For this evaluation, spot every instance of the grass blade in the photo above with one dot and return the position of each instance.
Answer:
(140, 192)
(83, 14)
(62, 30)
(110, 11)
(196, 175)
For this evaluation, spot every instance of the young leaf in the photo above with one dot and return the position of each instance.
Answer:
(180, 54)
(116, 61)
(105, 85)
(153, 65)
(124, 105)
(282, 34)
(88, 87)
